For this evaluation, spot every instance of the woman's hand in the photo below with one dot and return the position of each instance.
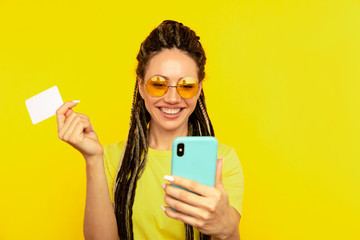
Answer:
(76, 129)
(209, 211)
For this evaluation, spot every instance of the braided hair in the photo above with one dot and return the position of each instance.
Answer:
(169, 34)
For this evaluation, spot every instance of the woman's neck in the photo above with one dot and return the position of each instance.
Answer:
(161, 139)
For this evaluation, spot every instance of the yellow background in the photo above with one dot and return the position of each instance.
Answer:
(282, 87)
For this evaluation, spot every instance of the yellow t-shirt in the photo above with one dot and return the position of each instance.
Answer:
(149, 221)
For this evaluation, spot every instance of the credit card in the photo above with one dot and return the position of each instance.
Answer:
(44, 105)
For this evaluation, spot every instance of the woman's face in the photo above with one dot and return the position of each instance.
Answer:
(171, 111)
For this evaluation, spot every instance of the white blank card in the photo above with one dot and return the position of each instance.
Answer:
(44, 104)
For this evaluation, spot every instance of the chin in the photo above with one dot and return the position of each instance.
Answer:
(172, 126)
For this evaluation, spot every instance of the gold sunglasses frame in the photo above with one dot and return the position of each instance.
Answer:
(198, 86)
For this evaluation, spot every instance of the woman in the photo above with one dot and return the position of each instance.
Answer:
(168, 102)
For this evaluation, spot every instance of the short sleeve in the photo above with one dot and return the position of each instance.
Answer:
(112, 154)
(233, 177)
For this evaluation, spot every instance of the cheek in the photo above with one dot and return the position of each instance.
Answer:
(149, 103)
(192, 103)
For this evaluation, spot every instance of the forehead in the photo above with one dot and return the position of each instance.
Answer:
(172, 63)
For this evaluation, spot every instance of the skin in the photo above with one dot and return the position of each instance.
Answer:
(209, 211)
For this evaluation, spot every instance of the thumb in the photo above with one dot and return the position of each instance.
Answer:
(218, 176)
(63, 112)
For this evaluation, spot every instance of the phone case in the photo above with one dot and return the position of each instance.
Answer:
(199, 160)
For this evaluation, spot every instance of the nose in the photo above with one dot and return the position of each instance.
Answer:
(172, 96)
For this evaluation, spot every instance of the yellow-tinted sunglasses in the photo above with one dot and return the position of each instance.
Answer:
(157, 86)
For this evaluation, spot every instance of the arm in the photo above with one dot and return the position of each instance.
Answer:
(75, 129)
(99, 219)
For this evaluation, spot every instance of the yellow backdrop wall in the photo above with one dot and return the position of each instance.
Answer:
(282, 87)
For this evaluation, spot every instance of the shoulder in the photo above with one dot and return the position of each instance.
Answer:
(114, 147)
(225, 150)
(231, 159)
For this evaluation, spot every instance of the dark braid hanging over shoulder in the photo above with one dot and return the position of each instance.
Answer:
(169, 34)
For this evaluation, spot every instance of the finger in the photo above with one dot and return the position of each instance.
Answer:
(181, 217)
(77, 134)
(218, 176)
(86, 118)
(190, 185)
(183, 207)
(68, 122)
(184, 196)
(89, 127)
(64, 128)
(60, 113)
(78, 120)
(68, 112)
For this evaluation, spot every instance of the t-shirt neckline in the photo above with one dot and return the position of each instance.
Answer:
(159, 154)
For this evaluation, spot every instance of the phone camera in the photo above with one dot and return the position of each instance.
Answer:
(180, 149)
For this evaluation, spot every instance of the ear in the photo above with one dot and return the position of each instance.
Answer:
(200, 88)
(201, 85)
(141, 86)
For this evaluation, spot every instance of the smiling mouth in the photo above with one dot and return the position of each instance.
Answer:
(171, 111)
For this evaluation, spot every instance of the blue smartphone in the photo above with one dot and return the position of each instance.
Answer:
(195, 158)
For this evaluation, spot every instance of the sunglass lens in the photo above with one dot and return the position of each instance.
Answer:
(156, 86)
(188, 87)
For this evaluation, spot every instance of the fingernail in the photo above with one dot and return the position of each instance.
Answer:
(162, 208)
(76, 101)
(163, 186)
(168, 178)
(222, 158)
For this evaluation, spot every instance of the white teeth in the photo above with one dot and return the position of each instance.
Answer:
(170, 111)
